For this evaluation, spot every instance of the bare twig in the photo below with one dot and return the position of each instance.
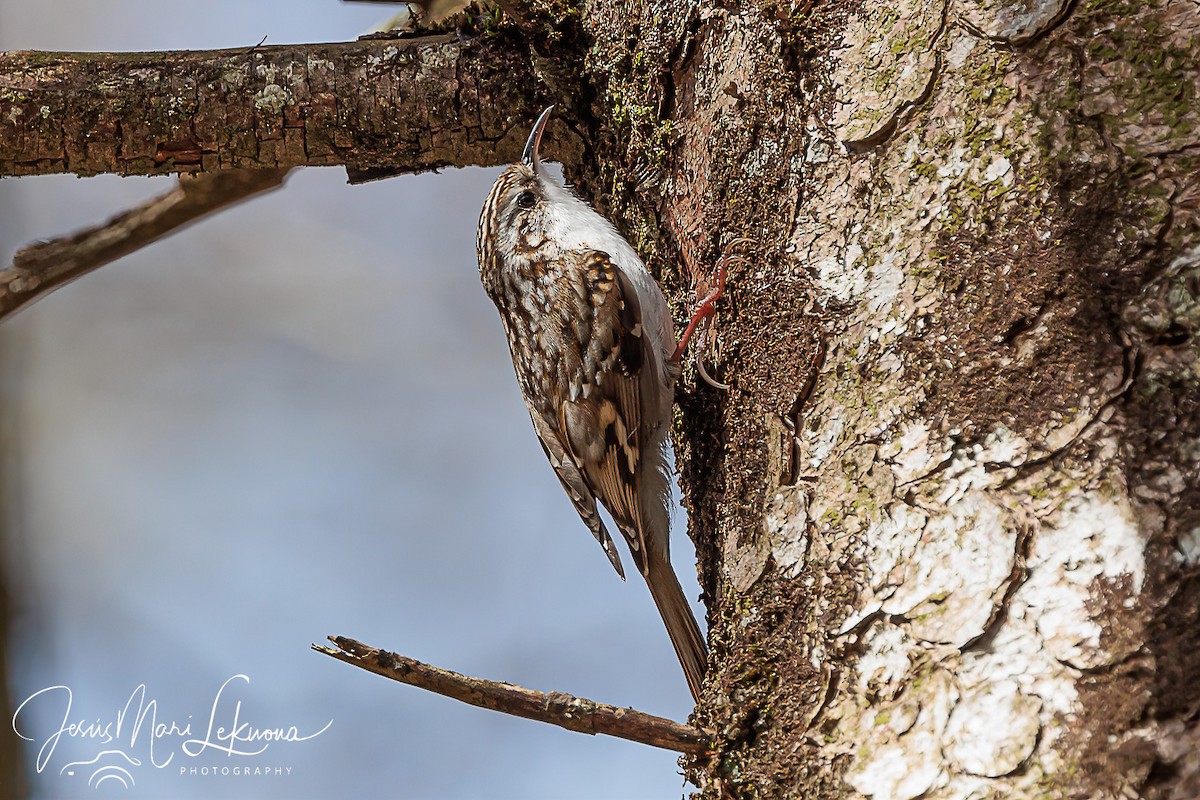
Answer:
(556, 708)
(40, 268)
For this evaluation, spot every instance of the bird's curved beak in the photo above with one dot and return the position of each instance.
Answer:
(530, 157)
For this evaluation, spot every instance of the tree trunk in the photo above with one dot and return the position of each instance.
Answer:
(948, 516)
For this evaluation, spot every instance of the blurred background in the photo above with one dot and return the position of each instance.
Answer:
(297, 418)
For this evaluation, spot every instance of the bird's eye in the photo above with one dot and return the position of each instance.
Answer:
(526, 199)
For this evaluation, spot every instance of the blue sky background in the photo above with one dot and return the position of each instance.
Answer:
(297, 419)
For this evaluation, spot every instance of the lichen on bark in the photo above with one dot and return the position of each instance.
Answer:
(984, 209)
(420, 103)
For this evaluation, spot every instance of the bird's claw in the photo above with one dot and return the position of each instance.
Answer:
(707, 295)
(700, 368)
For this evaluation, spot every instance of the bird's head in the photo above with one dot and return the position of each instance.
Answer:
(519, 215)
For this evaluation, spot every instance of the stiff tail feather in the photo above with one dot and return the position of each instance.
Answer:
(681, 625)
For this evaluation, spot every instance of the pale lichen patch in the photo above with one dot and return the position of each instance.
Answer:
(1000, 169)
(318, 64)
(993, 729)
(818, 444)
(272, 99)
(941, 566)
(843, 276)
(888, 63)
(891, 767)
(883, 286)
(909, 454)
(1016, 654)
(959, 50)
(1092, 538)
(885, 657)
(235, 75)
(1013, 20)
(742, 564)
(1189, 547)
(891, 543)
(952, 582)
(786, 525)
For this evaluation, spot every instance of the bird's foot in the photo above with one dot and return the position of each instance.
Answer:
(708, 292)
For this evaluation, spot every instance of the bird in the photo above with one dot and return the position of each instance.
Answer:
(595, 355)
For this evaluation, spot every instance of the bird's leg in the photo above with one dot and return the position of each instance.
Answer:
(705, 310)
(702, 317)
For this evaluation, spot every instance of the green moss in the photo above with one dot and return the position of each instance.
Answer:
(42, 58)
(831, 518)
(984, 104)
(1155, 80)
(647, 136)
(1118, 8)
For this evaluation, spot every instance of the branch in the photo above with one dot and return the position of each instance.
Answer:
(45, 266)
(556, 708)
(416, 103)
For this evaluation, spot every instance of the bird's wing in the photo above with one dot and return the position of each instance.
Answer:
(601, 423)
(575, 485)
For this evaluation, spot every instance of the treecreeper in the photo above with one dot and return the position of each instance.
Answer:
(596, 359)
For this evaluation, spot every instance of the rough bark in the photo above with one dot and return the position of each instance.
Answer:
(419, 103)
(947, 516)
(967, 563)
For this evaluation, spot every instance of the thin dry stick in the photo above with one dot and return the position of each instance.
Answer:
(40, 268)
(556, 708)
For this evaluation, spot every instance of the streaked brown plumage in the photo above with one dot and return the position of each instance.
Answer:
(593, 349)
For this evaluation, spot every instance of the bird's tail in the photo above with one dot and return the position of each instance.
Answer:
(681, 625)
